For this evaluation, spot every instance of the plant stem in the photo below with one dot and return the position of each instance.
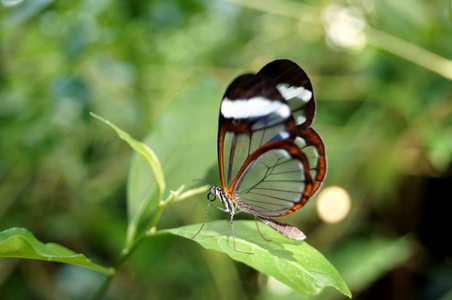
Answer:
(125, 254)
(133, 242)
(129, 249)
(410, 52)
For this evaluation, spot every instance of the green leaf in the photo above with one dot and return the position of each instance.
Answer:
(141, 188)
(20, 243)
(137, 209)
(184, 139)
(141, 149)
(296, 264)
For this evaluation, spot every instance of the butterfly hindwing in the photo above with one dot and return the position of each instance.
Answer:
(311, 144)
(276, 179)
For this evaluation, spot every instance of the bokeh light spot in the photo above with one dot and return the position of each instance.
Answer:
(8, 3)
(333, 204)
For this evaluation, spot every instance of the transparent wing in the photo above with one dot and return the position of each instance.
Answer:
(253, 113)
(295, 86)
(275, 180)
(310, 143)
(270, 161)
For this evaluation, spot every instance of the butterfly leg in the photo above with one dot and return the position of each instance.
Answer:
(258, 229)
(233, 237)
(203, 222)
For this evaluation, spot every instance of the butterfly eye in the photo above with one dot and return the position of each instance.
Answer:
(211, 197)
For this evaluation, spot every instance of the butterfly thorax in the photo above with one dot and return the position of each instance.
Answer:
(225, 199)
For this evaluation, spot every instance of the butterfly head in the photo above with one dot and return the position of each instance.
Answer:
(216, 191)
(213, 193)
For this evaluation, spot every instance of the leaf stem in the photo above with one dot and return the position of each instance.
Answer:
(125, 254)
(151, 230)
(129, 249)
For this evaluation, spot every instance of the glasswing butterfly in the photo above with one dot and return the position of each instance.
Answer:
(271, 162)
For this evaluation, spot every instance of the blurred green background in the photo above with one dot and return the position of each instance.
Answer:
(382, 78)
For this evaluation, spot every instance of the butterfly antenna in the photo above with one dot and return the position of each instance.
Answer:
(204, 180)
(197, 202)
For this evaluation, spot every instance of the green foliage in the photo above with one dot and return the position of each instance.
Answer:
(137, 208)
(20, 243)
(296, 264)
(159, 69)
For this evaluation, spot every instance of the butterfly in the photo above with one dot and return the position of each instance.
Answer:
(271, 161)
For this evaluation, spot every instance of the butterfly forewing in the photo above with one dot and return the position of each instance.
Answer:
(295, 87)
(252, 113)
